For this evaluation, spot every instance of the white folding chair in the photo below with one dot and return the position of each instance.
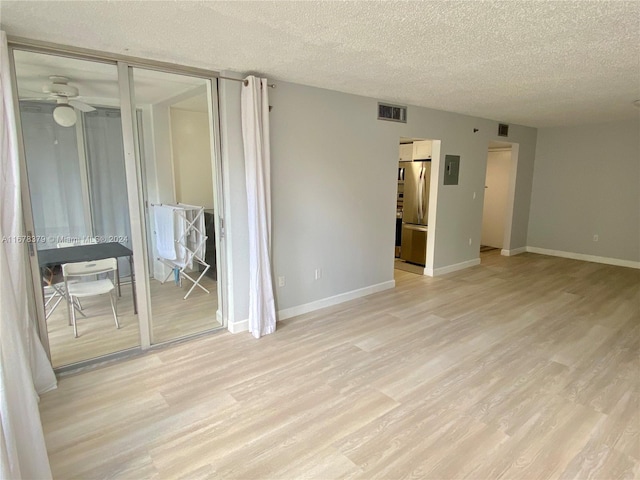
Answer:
(90, 288)
(53, 295)
(53, 286)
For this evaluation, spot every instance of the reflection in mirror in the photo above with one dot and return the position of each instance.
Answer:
(175, 138)
(72, 133)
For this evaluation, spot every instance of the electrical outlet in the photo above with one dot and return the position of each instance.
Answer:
(474, 195)
(281, 281)
(318, 274)
(469, 240)
(595, 238)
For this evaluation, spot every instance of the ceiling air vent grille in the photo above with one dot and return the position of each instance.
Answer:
(503, 130)
(394, 113)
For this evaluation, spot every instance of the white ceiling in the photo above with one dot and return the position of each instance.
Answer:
(536, 63)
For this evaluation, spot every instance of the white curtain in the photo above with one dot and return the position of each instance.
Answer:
(255, 135)
(24, 368)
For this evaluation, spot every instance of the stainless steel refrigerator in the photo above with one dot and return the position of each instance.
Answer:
(415, 212)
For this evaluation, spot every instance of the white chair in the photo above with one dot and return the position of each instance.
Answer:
(54, 290)
(90, 288)
(53, 286)
(53, 294)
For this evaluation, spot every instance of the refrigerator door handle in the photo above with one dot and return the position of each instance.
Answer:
(420, 195)
(423, 196)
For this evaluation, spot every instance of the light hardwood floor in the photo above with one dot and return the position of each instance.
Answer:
(522, 367)
(173, 317)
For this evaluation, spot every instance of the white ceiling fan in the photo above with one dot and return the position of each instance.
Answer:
(66, 96)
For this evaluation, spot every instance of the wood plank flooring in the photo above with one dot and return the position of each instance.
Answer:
(523, 367)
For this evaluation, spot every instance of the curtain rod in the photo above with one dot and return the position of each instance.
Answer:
(244, 82)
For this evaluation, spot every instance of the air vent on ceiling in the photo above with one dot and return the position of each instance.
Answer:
(503, 130)
(394, 113)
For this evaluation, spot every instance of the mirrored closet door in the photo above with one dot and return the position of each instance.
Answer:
(73, 147)
(118, 159)
(175, 137)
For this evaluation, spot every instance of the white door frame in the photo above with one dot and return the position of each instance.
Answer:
(511, 198)
(511, 195)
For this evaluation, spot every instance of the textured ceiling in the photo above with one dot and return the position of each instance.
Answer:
(537, 63)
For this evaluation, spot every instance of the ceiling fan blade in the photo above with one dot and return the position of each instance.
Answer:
(83, 107)
(35, 99)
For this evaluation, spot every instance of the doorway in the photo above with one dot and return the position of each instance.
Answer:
(91, 131)
(498, 197)
(413, 204)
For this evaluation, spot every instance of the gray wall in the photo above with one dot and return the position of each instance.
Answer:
(587, 182)
(334, 168)
(459, 216)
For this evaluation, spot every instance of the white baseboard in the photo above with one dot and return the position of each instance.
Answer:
(587, 258)
(335, 300)
(243, 325)
(434, 272)
(512, 252)
(239, 326)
